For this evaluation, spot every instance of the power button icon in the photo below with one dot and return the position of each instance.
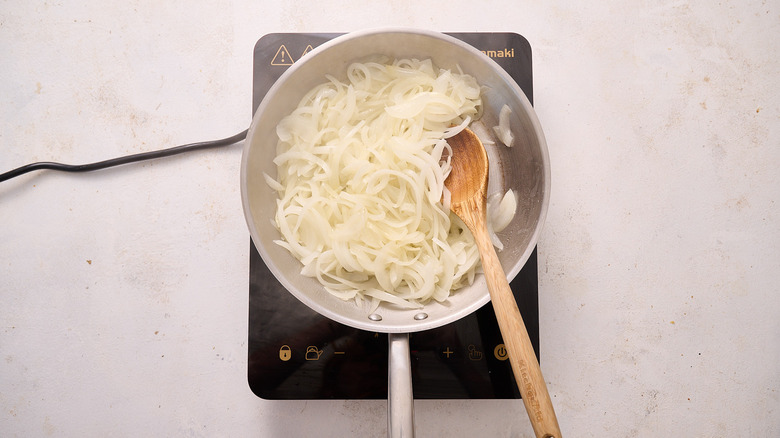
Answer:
(285, 353)
(500, 352)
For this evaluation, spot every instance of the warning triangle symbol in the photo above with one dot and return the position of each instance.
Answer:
(308, 49)
(282, 57)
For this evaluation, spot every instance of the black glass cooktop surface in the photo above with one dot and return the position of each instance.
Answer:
(296, 354)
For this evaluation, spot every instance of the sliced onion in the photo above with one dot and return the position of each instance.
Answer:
(503, 131)
(361, 166)
(505, 211)
(500, 212)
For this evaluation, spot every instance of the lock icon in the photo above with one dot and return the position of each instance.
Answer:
(285, 353)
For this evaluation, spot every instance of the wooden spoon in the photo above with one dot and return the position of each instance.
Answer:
(467, 183)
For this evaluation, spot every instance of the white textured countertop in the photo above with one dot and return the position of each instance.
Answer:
(124, 292)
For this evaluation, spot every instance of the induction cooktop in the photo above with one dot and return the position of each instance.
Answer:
(296, 354)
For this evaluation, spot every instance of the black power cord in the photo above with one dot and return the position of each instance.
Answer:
(41, 165)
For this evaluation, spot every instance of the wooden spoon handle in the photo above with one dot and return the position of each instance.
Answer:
(522, 357)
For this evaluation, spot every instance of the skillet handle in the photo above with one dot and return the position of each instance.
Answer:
(400, 399)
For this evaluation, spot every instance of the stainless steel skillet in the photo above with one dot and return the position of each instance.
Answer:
(524, 168)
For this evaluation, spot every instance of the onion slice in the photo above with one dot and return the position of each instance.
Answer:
(503, 131)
